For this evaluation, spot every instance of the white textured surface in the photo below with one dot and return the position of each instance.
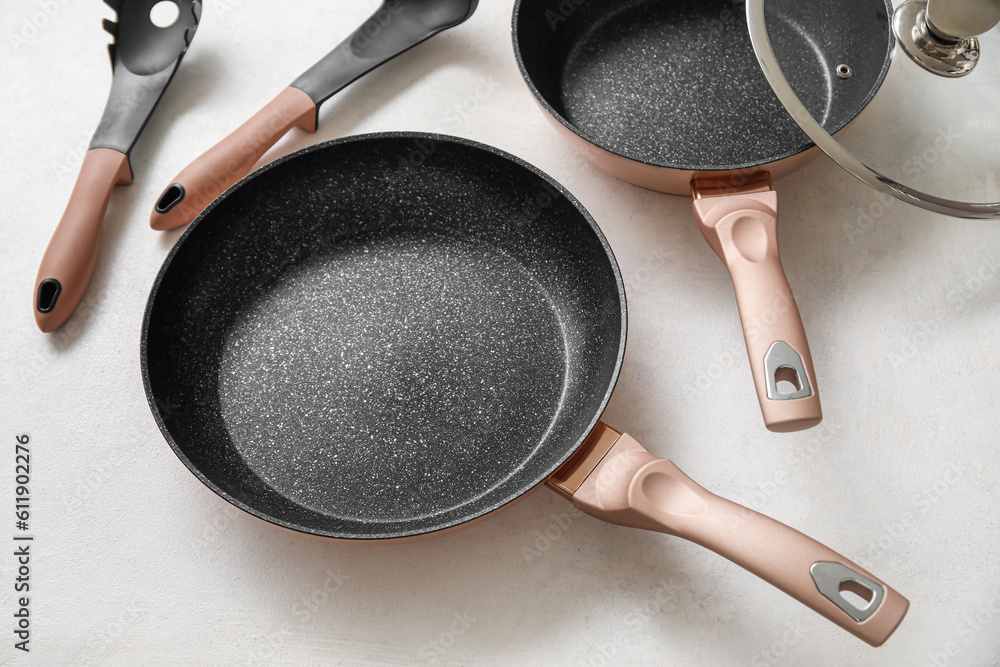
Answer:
(137, 563)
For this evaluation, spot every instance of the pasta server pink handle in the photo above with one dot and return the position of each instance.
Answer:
(70, 258)
(631, 487)
(742, 228)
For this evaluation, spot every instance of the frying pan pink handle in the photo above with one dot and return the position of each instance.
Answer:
(232, 158)
(743, 231)
(71, 255)
(631, 487)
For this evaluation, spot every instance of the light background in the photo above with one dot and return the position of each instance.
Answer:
(136, 562)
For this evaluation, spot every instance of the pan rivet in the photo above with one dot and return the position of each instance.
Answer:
(844, 71)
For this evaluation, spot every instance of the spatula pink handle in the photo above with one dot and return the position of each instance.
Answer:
(743, 231)
(631, 487)
(231, 159)
(71, 255)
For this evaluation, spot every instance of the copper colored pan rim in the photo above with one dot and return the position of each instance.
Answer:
(667, 179)
(748, 167)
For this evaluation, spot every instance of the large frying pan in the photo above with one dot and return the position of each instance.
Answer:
(393, 335)
(667, 94)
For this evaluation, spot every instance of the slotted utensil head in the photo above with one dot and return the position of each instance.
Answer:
(144, 57)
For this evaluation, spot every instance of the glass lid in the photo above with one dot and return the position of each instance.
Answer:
(903, 95)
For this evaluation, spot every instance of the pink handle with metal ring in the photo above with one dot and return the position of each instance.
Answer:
(742, 228)
(631, 487)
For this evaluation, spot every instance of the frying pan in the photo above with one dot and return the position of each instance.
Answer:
(388, 336)
(669, 96)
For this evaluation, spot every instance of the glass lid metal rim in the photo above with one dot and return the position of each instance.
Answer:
(757, 26)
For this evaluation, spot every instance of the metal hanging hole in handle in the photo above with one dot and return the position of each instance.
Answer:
(835, 579)
(783, 364)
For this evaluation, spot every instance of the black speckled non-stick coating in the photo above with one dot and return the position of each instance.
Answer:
(675, 83)
(384, 335)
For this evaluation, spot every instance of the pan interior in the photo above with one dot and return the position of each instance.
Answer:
(383, 337)
(676, 84)
(417, 345)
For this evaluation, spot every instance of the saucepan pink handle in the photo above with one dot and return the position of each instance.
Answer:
(743, 231)
(631, 487)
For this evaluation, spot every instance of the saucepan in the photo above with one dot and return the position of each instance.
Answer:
(669, 96)
(394, 335)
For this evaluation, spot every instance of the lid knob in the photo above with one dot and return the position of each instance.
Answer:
(940, 35)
